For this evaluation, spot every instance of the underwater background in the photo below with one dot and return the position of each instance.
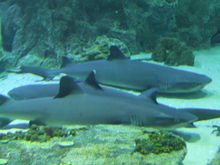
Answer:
(182, 34)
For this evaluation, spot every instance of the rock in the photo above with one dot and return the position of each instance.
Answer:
(116, 145)
(171, 51)
(4, 141)
(101, 49)
(51, 29)
(101, 144)
(64, 144)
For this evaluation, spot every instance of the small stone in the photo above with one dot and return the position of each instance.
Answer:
(4, 141)
(3, 161)
(65, 144)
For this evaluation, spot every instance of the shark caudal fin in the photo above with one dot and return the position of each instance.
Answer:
(47, 74)
(203, 114)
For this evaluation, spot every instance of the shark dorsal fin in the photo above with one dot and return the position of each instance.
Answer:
(116, 54)
(150, 93)
(65, 61)
(90, 80)
(68, 86)
(3, 99)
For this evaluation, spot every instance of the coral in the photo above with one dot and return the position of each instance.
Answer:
(101, 49)
(39, 133)
(173, 52)
(159, 142)
(100, 144)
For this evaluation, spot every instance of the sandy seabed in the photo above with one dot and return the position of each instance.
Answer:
(207, 62)
(204, 150)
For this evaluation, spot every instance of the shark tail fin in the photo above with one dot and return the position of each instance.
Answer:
(3, 99)
(47, 74)
(203, 114)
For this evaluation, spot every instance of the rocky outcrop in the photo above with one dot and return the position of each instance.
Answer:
(171, 51)
(48, 29)
(101, 144)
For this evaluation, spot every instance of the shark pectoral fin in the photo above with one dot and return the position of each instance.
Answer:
(36, 122)
(17, 124)
(4, 122)
(116, 54)
(68, 86)
(66, 61)
(90, 80)
(3, 99)
(190, 125)
(151, 93)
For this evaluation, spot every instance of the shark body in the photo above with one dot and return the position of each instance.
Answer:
(118, 71)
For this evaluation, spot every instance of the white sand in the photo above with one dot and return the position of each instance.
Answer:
(207, 62)
(204, 150)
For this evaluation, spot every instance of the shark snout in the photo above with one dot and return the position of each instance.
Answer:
(188, 117)
(190, 84)
(199, 79)
(182, 119)
(174, 119)
(199, 83)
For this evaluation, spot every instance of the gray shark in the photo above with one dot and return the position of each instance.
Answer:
(119, 71)
(34, 91)
(91, 85)
(73, 105)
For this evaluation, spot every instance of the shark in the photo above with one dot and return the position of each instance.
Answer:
(121, 72)
(51, 89)
(89, 103)
(74, 105)
(34, 91)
